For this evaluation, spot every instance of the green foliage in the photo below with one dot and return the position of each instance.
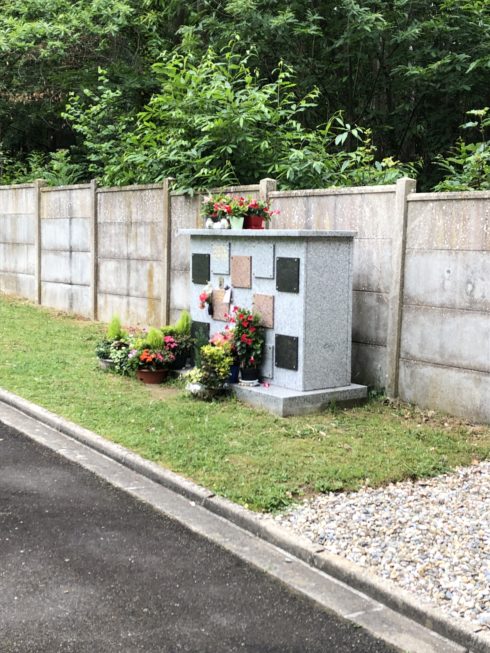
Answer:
(124, 365)
(183, 324)
(214, 121)
(103, 349)
(56, 169)
(215, 366)
(154, 339)
(468, 165)
(115, 330)
(408, 70)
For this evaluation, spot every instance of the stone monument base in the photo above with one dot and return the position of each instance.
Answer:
(286, 403)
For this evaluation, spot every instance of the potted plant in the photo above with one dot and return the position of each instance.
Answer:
(257, 214)
(226, 340)
(181, 333)
(224, 211)
(248, 338)
(115, 339)
(153, 356)
(209, 379)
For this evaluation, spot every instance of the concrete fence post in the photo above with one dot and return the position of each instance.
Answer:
(38, 184)
(266, 187)
(94, 251)
(166, 258)
(404, 187)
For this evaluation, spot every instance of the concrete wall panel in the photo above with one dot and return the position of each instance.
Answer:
(17, 200)
(179, 289)
(21, 285)
(368, 213)
(453, 279)
(17, 228)
(372, 264)
(69, 202)
(66, 234)
(460, 392)
(129, 206)
(446, 337)
(454, 224)
(132, 310)
(66, 267)
(69, 298)
(17, 258)
(132, 278)
(369, 318)
(134, 240)
(369, 365)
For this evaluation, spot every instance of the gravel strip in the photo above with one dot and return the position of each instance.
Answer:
(431, 537)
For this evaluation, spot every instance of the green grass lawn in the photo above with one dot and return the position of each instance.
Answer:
(249, 456)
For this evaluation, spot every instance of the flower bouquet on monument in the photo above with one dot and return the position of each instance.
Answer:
(248, 339)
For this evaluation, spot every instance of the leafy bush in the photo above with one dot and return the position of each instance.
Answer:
(468, 165)
(215, 122)
(215, 366)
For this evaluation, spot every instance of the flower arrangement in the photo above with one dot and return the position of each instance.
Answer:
(154, 351)
(219, 210)
(248, 336)
(206, 297)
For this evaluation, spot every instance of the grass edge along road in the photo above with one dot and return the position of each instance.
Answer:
(251, 457)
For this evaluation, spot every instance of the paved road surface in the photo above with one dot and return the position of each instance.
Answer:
(86, 568)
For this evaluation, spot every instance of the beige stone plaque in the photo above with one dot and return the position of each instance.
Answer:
(264, 306)
(241, 271)
(219, 308)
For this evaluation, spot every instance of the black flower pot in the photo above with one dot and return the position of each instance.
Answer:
(249, 374)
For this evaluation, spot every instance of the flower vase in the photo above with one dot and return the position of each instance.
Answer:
(236, 223)
(253, 222)
(249, 376)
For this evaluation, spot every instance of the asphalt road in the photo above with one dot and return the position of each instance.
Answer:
(84, 567)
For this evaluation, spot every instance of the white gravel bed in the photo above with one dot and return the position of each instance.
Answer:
(431, 537)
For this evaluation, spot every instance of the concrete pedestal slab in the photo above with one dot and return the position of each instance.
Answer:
(285, 402)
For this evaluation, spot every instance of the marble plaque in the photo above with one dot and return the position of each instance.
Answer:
(241, 271)
(264, 261)
(219, 308)
(264, 306)
(220, 258)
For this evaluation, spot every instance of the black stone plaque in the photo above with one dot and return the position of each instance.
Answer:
(287, 274)
(201, 268)
(200, 335)
(287, 352)
(200, 332)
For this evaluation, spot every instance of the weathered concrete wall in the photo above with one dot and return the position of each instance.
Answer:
(17, 240)
(369, 211)
(445, 345)
(421, 300)
(130, 250)
(185, 214)
(65, 216)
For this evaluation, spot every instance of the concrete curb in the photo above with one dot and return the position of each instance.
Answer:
(349, 573)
